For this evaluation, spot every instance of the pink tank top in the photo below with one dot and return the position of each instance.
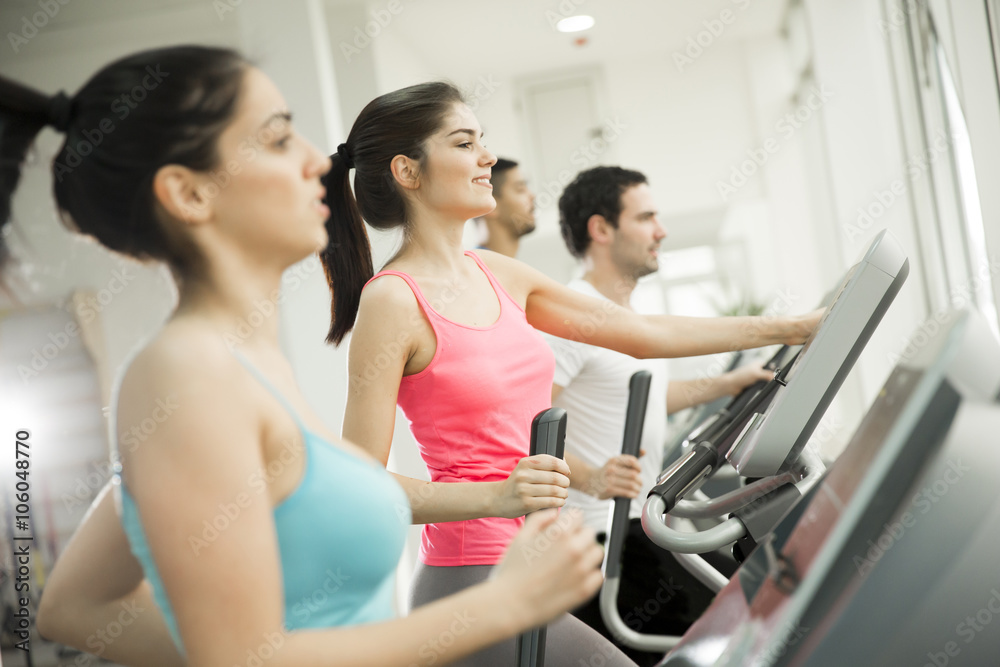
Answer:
(470, 412)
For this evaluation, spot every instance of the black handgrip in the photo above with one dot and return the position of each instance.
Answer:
(748, 392)
(697, 464)
(746, 396)
(548, 433)
(548, 436)
(717, 427)
(635, 417)
(713, 428)
(635, 412)
(724, 439)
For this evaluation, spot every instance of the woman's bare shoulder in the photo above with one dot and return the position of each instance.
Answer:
(516, 277)
(387, 297)
(182, 354)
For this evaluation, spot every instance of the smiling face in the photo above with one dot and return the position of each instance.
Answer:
(636, 244)
(455, 176)
(265, 194)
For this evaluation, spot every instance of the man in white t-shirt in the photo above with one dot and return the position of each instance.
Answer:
(609, 220)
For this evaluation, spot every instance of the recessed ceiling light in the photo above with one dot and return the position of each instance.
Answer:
(575, 23)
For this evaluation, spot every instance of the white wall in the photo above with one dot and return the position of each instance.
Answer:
(862, 134)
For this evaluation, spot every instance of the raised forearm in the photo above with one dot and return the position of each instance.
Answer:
(674, 336)
(435, 502)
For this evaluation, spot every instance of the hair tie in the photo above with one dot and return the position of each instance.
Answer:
(60, 111)
(345, 155)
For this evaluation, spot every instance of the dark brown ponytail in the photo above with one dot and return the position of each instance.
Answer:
(147, 110)
(23, 113)
(397, 123)
(347, 259)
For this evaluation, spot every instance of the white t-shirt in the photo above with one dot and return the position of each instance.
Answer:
(595, 396)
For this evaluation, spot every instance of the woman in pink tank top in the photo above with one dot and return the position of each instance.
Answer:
(451, 338)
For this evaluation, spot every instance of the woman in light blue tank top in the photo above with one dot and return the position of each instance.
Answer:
(247, 535)
(347, 585)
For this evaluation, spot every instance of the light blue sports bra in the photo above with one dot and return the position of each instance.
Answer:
(341, 533)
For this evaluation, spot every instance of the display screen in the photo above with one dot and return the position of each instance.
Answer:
(829, 310)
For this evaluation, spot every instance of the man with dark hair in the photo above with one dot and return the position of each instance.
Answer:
(608, 219)
(514, 215)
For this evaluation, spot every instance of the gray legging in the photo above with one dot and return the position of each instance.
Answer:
(568, 642)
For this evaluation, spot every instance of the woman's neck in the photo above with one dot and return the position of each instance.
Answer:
(433, 243)
(240, 303)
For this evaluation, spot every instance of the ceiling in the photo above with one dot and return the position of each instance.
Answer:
(508, 38)
(517, 36)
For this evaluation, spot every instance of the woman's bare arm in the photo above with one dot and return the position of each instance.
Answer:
(558, 310)
(97, 587)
